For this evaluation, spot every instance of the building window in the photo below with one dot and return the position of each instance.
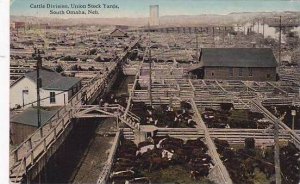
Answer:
(268, 76)
(231, 72)
(52, 97)
(212, 74)
(250, 72)
(240, 72)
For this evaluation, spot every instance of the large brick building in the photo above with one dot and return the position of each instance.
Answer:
(253, 64)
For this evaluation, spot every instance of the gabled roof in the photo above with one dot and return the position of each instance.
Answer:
(118, 33)
(29, 117)
(238, 57)
(53, 80)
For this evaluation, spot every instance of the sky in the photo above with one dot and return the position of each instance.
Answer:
(140, 8)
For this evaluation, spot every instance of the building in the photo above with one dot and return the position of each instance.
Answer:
(122, 27)
(117, 33)
(18, 25)
(25, 123)
(56, 90)
(253, 64)
(154, 15)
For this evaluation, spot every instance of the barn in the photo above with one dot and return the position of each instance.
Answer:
(117, 33)
(56, 90)
(252, 64)
(25, 123)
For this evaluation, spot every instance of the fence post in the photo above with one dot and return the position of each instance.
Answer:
(41, 132)
(16, 156)
(63, 123)
(55, 134)
(30, 143)
(32, 157)
(50, 124)
(44, 145)
(24, 164)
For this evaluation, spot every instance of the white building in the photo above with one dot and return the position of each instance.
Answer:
(154, 15)
(56, 90)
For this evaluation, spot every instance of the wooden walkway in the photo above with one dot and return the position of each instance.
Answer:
(29, 153)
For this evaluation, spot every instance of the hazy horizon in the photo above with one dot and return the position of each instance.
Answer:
(140, 8)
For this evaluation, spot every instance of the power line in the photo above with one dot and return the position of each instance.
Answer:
(41, 99)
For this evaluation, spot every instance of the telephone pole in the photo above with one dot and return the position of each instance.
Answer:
(39, 85)
(213, 34)
(276, 133)
(150, 67)
(197, 47)
(263, 27)
(276, 154)
(150, 77)
(258, 26)
(280, 28)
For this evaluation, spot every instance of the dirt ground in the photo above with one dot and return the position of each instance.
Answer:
(95, 155)
(84, 153)
(93, 160)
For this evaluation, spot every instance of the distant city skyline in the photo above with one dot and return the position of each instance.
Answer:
(140, 8)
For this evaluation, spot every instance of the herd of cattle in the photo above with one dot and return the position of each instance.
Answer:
(165, 115)
(247, 165)
(256, 165)
(133, 162)
(234, 119)
(285, 113)
(113, 99)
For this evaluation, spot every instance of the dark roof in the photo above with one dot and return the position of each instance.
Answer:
(53, 80)
(238, 57)
(29, 117)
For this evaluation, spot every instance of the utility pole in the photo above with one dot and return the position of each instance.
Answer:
(276, 154)
(39, 85)
(293, 112)
(280, 27)
(150, 67)
(150, 77)
(263, 28)
(197, 47)
(258, 26)
(213, 33)
(224, 35)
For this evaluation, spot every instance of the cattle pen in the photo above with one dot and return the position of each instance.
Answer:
(166, 124)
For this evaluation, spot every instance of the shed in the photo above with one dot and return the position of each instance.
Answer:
(25, 123)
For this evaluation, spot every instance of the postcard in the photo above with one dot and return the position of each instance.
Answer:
(161, 91)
